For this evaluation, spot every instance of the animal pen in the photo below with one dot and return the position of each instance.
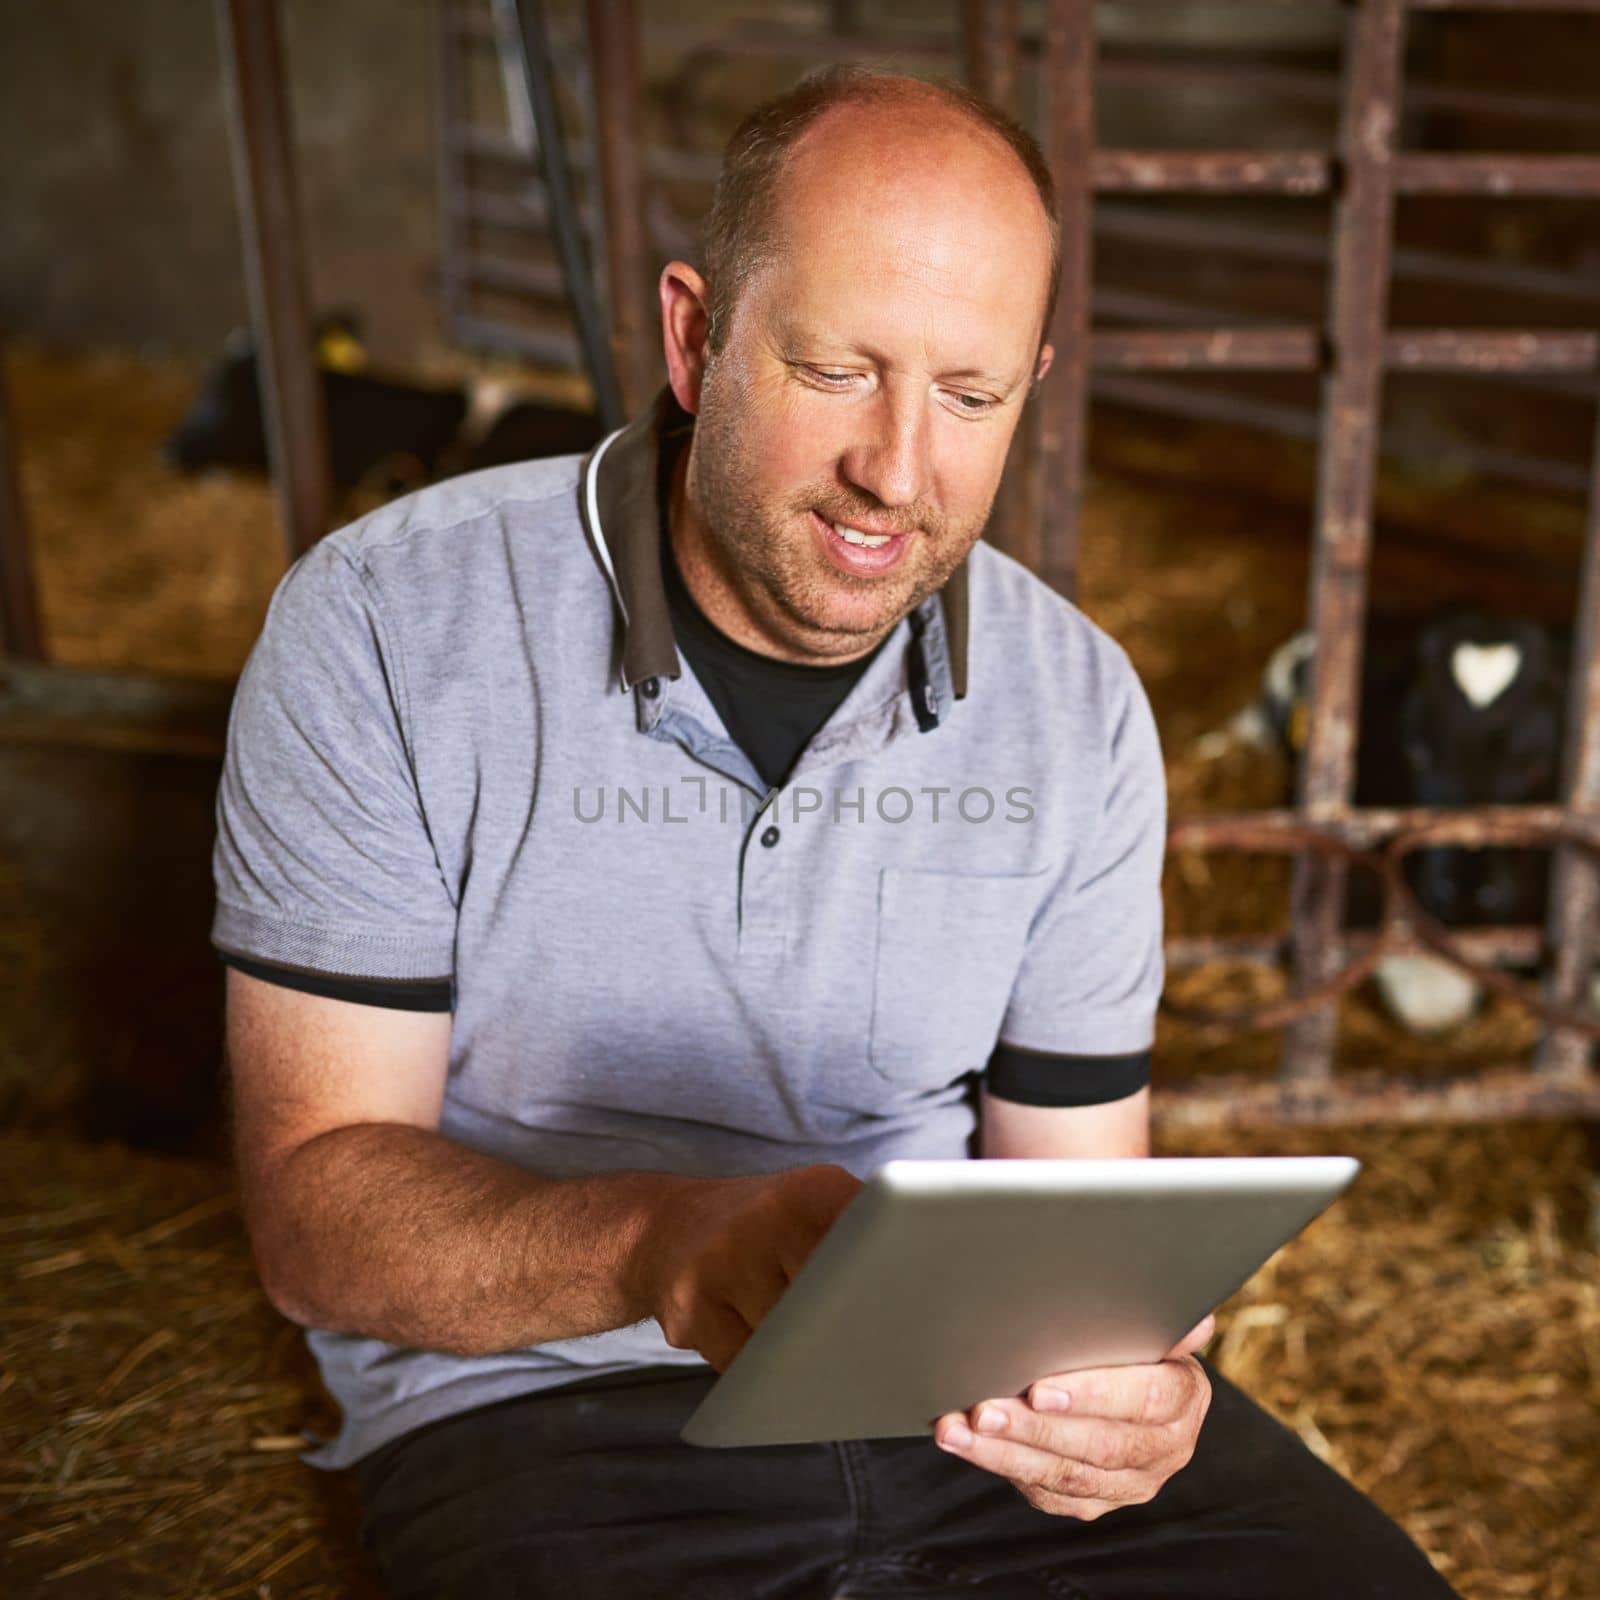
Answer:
(1450, 1368)
(1037, 520)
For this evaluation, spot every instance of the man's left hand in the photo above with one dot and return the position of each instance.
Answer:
(1116, 1437)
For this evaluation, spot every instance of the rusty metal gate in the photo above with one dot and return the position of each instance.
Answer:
(1037, 519)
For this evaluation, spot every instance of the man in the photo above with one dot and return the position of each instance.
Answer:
(576, 982)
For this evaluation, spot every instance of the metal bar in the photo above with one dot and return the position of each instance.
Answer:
(1514, 946)
(42, 704)
(20, 635)
(488, 29)
(1186, 349)
(1365, 826)
(1575, 881)
(275, 266)
(1160, 225)
(1187, 399)
(541, 279)
(1497, 175)
(1590, 7)
(524, 213)
(452, 114)
(991, 50)
(1282, 172)
(1346, 467)
(614, 49)
(1496, 1094)
(1265, 349)
(677, 166)
(991, 60)
(535, 60)
(1458, 350)
(1057, 465)
(551, 348)
(1158, 69)
(1307, 172)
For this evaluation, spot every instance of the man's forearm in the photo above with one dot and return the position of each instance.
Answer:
(399, 1233)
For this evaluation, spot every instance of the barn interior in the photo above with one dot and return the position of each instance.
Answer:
(1435, 1336)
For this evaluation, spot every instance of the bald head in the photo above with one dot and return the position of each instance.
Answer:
(899, 157)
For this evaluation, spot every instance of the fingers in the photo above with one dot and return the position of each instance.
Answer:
(719, 1335)
(1093, 1441)
(1082, 1463)
(754, 1296)
(1197, 1338)
(1049, 1481)
(1148, 1392)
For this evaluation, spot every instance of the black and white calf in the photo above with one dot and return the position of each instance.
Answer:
(1468, 711)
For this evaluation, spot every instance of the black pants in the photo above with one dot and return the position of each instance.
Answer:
(588, 1491)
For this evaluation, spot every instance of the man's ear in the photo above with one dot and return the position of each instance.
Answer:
(684, 324)
(1047, 354)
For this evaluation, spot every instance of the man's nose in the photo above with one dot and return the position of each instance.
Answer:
(890, 459)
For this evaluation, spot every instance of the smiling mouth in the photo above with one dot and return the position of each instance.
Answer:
(860, 551)
(868, 541)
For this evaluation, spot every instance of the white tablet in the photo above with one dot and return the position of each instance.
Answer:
(944, 1283)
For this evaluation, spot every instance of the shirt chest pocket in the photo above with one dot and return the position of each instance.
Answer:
(949, 948)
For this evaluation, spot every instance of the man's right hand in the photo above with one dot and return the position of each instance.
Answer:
(717, 1253)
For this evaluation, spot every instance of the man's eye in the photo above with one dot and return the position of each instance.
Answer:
(835, 378)
(974, 404)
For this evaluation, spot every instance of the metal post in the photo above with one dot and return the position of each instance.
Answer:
(614, 50)
(991, 48)
(1574, 918)
(991, 56)
(274, 258)
(450, 165)
(19, 612)
(1057, 478)
(1346, 462)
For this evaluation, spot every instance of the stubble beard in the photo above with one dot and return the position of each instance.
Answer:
(765, 551)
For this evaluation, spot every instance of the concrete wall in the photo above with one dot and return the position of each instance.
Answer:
(117, 220)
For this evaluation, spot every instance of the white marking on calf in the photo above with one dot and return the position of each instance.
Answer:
(1484, 671)
(1424, 993)
(1285, 662)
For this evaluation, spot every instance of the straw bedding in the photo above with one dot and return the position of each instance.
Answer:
(1436, 1336)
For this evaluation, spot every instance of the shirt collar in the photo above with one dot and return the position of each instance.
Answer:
(617, 500)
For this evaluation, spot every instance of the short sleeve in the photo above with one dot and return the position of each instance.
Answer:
(323, 865)
(1093, 968)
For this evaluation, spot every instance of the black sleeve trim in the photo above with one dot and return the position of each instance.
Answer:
(397, 994)
(1034, 1078)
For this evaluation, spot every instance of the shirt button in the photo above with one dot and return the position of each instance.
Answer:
(770, 837)
(650, 688)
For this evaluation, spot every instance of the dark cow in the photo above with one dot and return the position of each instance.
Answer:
(381, 433)
(1466, 712)
(1481, 724)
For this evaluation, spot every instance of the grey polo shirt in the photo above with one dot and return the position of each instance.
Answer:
(465, 768)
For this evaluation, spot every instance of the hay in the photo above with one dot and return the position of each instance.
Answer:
(1436, 1337)
(151, 1401)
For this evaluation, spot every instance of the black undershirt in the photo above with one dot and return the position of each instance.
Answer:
(770, 708)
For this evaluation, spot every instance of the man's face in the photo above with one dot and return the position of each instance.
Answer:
(870, 379)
